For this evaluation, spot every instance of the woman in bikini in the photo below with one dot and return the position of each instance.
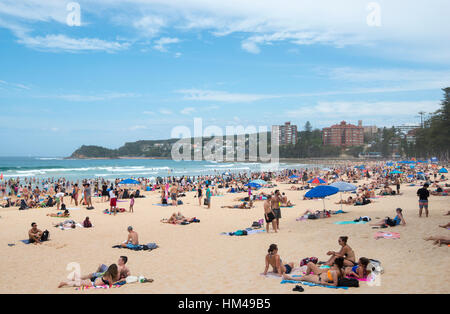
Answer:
(274, 260)
(320, 276)
(359, 270)
(107, 279)
(346, 253)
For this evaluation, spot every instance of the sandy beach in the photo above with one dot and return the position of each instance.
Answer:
(196, 259)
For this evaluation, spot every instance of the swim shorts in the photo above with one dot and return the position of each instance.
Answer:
(277, 213)
(269, 217)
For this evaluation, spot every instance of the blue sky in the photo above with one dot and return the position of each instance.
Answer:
(135, 69)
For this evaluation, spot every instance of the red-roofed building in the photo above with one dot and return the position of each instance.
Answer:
(344, 135)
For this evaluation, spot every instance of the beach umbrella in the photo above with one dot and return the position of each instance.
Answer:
(322, 191)
(360, 167)
(396, 172)
(259, 182)
(129, 181)
(253, 185)
(344, 187)
(389, 164)
(443, 170)
(293, 176)
(317, 181)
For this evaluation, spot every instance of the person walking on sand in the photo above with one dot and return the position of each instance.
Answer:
(208, 196)
(269, 215)
(423, 194)
(200, 194)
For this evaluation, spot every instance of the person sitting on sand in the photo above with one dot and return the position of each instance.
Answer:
(398, 220)
(87, 223)
(350, 201)
(107, 279)
(64, 214)
(360, 270)
(36, 236)
(439, 240)
(132, 240)
(320, 276)
(274, 260)
(346, 252)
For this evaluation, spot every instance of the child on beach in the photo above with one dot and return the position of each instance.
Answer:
(132, 203)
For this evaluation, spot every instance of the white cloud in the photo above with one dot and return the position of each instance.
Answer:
(89, 98)
(149, 25)
(162, 42)
(68, 44)
(14, 85)
(345, 109)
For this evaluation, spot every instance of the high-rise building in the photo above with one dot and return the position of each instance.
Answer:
(287, 133)
(344, 135)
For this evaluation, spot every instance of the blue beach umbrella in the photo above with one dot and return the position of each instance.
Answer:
(343, 187)
(293, 177)
(322, 191)
(396, 172)
(129, 181)
(443, 170)
(253, 185)
(259, 181)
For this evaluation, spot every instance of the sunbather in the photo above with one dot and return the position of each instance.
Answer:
(274, 260)
(108, 279)
(65, 214)
(439, 240)
(398, 220)
(320, 276)
(346, 252)
(359, 270)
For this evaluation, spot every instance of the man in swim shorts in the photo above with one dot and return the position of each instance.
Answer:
(133, 239)
(269, 214)
(423, 194)
(276, 200)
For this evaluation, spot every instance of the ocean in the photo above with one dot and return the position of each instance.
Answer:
(77, 169)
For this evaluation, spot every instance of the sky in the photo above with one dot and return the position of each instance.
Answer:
(129, 70)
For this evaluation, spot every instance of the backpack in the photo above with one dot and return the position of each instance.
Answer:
(348, 282)
(45, 235)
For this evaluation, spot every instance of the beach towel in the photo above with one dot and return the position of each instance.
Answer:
(77, 224)
(350, 222)
(386, 235)
(248, 231)
(162, 204)
(311, 284)
(25, 241)
(287, 206)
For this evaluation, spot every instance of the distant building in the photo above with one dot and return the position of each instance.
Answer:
(287, 133)
(411, 136)
(344, 135)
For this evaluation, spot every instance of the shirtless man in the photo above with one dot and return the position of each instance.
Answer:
(35, 235)
(123, 271)
(173, 194)
(269, 215)
(133, 239)
(275, 204)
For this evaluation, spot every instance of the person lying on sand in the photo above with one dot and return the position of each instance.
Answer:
(132, 240)
(350, 201)
(346, 252)
(439, 240)
(65, 214)
(66, 224)
(241, 206)
(445, 226)
(123, 271)
(320, 276)
(398, 220)
(359, 270)
(178, 218)
(274, 260)
(108, 279)
(316, 215)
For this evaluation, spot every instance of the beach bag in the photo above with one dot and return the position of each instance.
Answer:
(256, 224)
(205, 202)
(180, 202)
(348, 282)
(305, 261)
(45, 236)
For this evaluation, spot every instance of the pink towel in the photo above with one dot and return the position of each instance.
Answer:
(386, 235)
